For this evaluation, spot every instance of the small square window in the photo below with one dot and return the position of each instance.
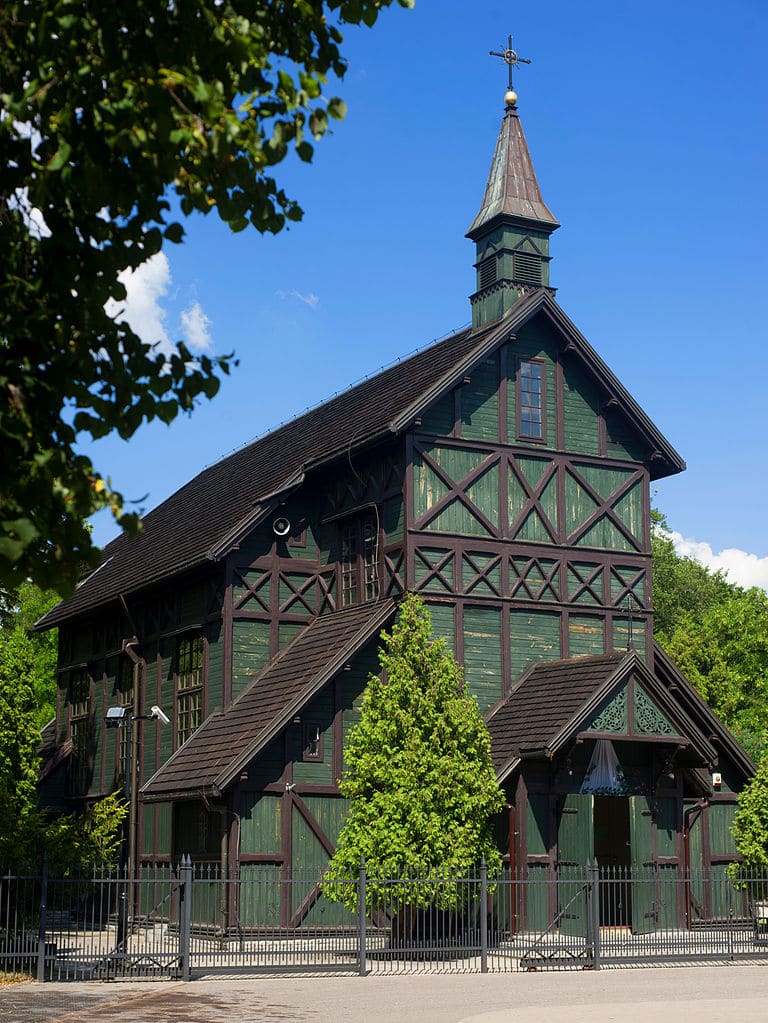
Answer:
(313, 741)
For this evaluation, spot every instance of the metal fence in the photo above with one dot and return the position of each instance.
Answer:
(186, 921)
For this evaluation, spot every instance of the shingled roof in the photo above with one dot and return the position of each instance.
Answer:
(555, 699)
(203, 520)
(228, 740)
(545, 699)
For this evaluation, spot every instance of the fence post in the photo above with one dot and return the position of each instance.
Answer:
(729, 900)
(593, 914)
(483, 916)
(43, 918)
(361, 916)
(185, 915)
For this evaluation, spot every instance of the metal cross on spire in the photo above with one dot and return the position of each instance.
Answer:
(510, 58)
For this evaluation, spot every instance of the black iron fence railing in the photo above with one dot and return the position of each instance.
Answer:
(186, 920)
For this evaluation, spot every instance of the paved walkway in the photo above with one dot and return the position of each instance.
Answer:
(722, 994)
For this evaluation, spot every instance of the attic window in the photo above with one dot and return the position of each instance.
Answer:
(530, 399)
(527, 268)
(486, 273)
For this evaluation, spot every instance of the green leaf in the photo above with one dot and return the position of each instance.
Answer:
(174, 233)
(60, 157)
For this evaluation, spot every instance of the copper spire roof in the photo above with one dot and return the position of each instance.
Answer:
(512, 189)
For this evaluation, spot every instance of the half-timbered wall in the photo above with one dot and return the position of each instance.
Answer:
(288, 806)
(526, 547)
(278, 584)
(93, 649)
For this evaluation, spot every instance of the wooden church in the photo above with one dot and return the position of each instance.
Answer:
(504, 474)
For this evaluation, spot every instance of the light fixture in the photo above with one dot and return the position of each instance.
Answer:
(115, 717)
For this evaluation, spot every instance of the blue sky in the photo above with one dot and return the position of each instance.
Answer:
(647, 127)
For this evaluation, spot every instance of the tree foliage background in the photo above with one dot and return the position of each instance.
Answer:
(717, 634)
(418, 772)
(116, 122)
(27, 703)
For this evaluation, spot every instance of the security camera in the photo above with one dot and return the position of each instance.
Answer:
(157, 712)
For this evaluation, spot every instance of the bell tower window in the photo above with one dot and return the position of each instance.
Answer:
(487, 273)
(527, 268)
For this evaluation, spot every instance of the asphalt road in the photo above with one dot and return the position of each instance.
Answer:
(721, 994)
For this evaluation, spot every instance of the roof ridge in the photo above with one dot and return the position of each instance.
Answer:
(336, 394)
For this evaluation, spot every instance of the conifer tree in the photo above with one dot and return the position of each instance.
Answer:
(418, 772)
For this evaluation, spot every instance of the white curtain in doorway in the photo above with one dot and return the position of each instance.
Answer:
(604, 775)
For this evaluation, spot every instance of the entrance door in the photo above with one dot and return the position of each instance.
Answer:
(575, 850)
(612, 852)
(643, 865)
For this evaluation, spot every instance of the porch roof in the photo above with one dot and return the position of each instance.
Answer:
(555, 700)
(227, 741)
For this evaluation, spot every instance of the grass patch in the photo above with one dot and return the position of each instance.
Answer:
(14, 978)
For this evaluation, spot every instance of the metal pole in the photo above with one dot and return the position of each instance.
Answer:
(43, 919)
(483, 916)
(729, 899)
(125, 850)
(594, 914)
(361, 917)
(185, 916)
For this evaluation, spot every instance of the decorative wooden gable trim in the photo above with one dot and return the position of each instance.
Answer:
(631, 713)
(558, 702)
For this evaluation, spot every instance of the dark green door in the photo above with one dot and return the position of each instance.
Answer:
(643, 865)
(575, 850)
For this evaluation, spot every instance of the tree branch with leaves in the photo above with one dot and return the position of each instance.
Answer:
(116, 122)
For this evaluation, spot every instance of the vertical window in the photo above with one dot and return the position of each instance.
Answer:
(313, 741)
(349, 552)
(530, 399)
(189, 686)
(124, 699)
(80, 730)
(359, 558)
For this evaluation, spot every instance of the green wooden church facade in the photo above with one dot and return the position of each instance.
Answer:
(503, 473)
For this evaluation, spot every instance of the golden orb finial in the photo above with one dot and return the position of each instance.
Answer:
(510, 98)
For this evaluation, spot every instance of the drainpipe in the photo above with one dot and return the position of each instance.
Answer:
(512, 868)
(129, 648)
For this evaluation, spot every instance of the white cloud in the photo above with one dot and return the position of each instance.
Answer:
(195, 326)
(738, 566)
(310, 298)
(142, 309)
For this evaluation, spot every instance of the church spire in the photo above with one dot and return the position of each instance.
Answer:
(511, 231)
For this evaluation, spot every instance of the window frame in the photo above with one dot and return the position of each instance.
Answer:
(189, 684)
(80, 713)
(523, 361)
(307, 741)
(124, 698)
(359, 558)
